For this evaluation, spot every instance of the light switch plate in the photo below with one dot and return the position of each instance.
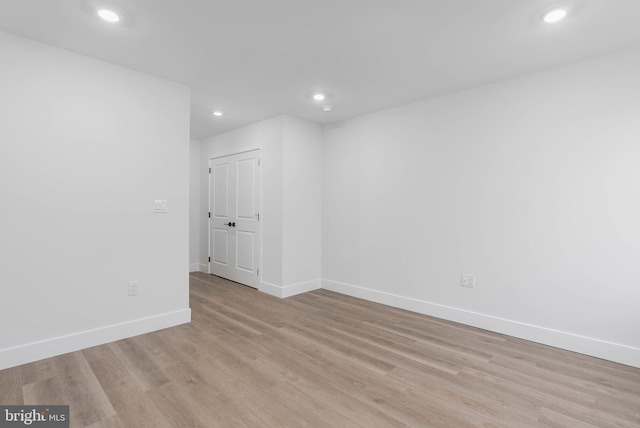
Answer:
(160, 206)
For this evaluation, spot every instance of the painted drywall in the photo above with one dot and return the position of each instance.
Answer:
(302, 204)
(194, 206)
(85, 149)
(266, 136)
(531, 184)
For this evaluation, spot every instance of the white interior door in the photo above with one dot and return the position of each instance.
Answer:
(234, 224)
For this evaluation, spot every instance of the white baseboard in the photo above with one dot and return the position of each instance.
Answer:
(301, 287)
(204, 268)
(289, 290)
(194, 267)
(584, 345)
(35, 351)
(274, 290)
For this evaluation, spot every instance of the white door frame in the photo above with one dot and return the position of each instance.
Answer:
(260, 196)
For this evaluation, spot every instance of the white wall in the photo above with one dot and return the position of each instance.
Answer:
(194, 206)
(532, 184)
(85, 148)
(266, 136)
(302, 205)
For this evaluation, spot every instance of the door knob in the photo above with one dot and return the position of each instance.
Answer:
(230, 224)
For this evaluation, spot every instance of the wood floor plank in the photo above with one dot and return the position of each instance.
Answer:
(550, 418)
(90, 403)
(111, 372)
(136, 409)
(323, 359)
(303, 369)
(113, 422)
(48, 391)
(208, 400)
(38, 370)
(363, 382)
(169, 400)
(479, 404)
(11, 382)
(140, 364)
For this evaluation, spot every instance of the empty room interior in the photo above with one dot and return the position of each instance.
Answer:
(288, 213)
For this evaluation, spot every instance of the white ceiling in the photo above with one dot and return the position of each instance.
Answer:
(255, 59)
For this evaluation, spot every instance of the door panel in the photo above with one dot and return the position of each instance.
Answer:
(221, 191)
(234, 223)
(221, 247)
(245, 191)
(244, 251)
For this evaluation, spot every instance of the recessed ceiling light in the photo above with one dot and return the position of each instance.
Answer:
(318, 97)
(218, 113)
(108, 15)
(554, 15)
(327, 108)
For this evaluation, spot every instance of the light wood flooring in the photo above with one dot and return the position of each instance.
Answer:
(324, 360)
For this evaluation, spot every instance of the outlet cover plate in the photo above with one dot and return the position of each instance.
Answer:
(134, 288)
(468, 281)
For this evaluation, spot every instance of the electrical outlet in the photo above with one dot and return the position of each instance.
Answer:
(134, 288)
(468, 281)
